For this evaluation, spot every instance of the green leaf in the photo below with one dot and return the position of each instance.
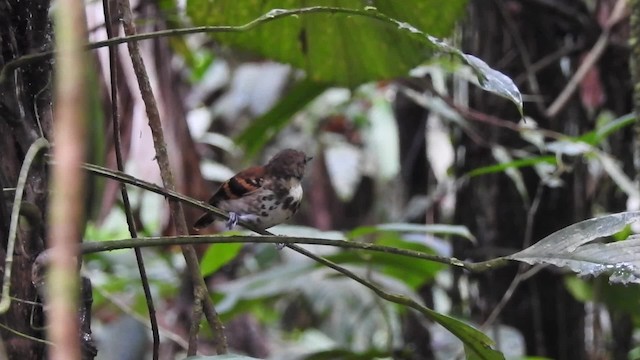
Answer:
(580, 289)
(494, 81)
(445, 229)
(218, 255)
(413, 272)
(569, 248)
(262, 129)
(597, 136)
(477, 345)
(221, 357)
(343, 47)
(351, 42)
(491, 169)
(346, 354)
(616, 296)
(361, 231)
(503, 157)
(265, 284)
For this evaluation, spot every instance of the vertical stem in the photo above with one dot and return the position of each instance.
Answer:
(65, 213)
(634, 40)
(177, 213)
(133, 231)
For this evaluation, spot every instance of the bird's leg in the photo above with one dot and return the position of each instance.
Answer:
(233, 220)
(280, 246)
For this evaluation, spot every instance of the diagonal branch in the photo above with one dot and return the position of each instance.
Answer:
(140, 242)
(473, 339)
(115, 119)
(618, 14)
(177, 213)
(266, 238)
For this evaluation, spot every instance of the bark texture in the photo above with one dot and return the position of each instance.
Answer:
(25, 114)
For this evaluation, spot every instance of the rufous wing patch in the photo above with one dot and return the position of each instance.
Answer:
(239, 185)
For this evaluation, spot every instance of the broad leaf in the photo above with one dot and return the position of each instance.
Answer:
(346, 354)
(477, 345)
(570, 248)
(218, 255)
(493, 80)
(345, 47)
(412, 272)
(350, 43)
(221, 357)
(444, 229)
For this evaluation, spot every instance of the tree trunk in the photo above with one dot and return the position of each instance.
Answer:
(25, 114)
(550, 320)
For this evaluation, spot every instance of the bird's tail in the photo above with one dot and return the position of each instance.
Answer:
(204, 221)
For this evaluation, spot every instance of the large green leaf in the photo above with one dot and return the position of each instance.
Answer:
(413, 272)
(444, 229)
(477, 345)
(570, 248)
(371, 43)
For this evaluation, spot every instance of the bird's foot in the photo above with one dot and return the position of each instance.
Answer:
(233, 220)
(280, 246)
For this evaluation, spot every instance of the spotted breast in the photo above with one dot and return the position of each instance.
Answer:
(263, 196)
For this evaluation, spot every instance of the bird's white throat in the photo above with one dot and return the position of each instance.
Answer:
(295, 190)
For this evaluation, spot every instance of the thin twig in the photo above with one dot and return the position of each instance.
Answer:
(291, 243)
(131, 312)
(34, 150)
(592, 57)
(475, 115)
(194, 328)
(26, 336)
(141, 242)
(126, 178)
(534, 86)
(479, 116)
(634, 67)
(115, 117)
(177, 214)
(394, 298)
(589, 61)
(549, 59)
(524, 270)
(267, 238)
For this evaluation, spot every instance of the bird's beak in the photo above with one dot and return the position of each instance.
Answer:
(307, 159)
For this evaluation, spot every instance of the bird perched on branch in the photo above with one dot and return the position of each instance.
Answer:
(263, 196)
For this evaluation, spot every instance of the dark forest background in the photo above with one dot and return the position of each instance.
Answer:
(402, 140)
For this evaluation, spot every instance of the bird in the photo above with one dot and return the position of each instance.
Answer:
(261, 196)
